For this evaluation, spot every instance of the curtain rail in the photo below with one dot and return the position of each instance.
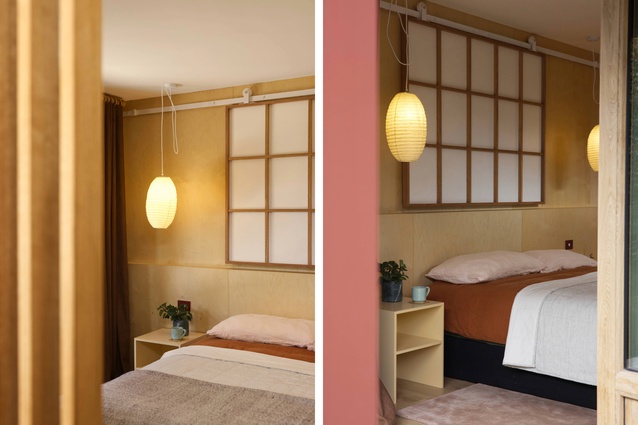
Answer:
(234, 101)
(421, 14)
(113, 99)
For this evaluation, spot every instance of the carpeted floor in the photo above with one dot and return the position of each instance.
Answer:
(484, 405)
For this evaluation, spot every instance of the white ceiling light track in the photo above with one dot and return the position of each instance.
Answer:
(421, 13)
(246, 98)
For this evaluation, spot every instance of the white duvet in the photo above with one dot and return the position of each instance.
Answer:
(552, 329)
(240, 368)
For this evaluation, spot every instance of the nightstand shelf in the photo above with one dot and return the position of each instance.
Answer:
(411, 343)
(151, 346)
(407, 343)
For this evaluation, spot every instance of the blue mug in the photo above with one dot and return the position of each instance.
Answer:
(177, 333)
(420, 293)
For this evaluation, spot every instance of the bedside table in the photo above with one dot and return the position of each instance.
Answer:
(150, 347)
(410, 343)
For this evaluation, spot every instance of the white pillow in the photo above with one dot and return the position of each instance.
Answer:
(484, 266)
(559, 259)
(267, 329)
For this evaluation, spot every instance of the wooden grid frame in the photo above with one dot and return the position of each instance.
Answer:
(268, 157)
(440, 145)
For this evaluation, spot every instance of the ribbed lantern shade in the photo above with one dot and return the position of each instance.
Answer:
(592, 147)
(161, 202)
(406, 127)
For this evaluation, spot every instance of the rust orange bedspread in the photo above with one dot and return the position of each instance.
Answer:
(295, 353)
(482, 311)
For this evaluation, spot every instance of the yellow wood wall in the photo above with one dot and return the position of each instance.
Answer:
(425, 238)
(187, 260)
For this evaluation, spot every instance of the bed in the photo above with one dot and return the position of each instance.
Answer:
(521, 321)
(248, 369)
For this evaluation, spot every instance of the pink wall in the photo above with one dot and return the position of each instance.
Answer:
(350, 298)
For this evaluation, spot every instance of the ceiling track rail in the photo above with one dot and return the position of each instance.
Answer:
(247, 98)
(421, 13)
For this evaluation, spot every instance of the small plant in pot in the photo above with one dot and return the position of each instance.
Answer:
(392, 277)
(180, 315)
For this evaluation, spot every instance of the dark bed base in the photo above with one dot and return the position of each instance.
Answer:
(477, 361)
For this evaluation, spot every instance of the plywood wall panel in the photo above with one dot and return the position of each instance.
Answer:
(570, 115)
(442, 235)
(546, 228)
(396, 231)
(276, 293)
(151, 285)
(197, 233)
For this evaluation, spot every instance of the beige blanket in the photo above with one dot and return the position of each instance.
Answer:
(148, 397)
(240, 368)
(212, 385)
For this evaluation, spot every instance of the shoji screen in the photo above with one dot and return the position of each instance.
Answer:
(484, 103)
(270, 183)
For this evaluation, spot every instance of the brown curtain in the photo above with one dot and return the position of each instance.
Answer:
(117, 359)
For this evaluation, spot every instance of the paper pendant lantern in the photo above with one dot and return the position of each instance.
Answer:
(592, 147)
(161, 202)
(406, 127)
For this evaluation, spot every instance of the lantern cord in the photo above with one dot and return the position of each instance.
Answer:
(404, 28)
(168, 89)
(593, 86)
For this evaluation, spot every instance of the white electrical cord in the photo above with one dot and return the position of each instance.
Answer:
(167, 87)
(407, 40)
(593, 86)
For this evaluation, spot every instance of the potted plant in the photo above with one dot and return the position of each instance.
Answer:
(392, 277)
(180, 315)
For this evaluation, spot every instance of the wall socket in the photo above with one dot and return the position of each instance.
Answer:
(569, 244)
(186, 303)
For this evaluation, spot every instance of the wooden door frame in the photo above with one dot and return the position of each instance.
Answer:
(614, 382)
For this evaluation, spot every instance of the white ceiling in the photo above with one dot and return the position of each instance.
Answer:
(207, 44)
(204, 44)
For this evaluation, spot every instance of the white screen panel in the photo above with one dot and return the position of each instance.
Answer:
(532, 126)
(289, 127)
(423, 49)
(507, 178)
(532, 78)
(531, 178)
(247, 184)
(247, 237)
(482, 122)
(289, 238)
(423, 174)
(312, 117)
(507, 125)
(482, 177)
(248, 131)
(507, 72)
(482, 67)
(289, 182)
(454, 176)
(428, 99)
(453, 118)
(453, 60)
